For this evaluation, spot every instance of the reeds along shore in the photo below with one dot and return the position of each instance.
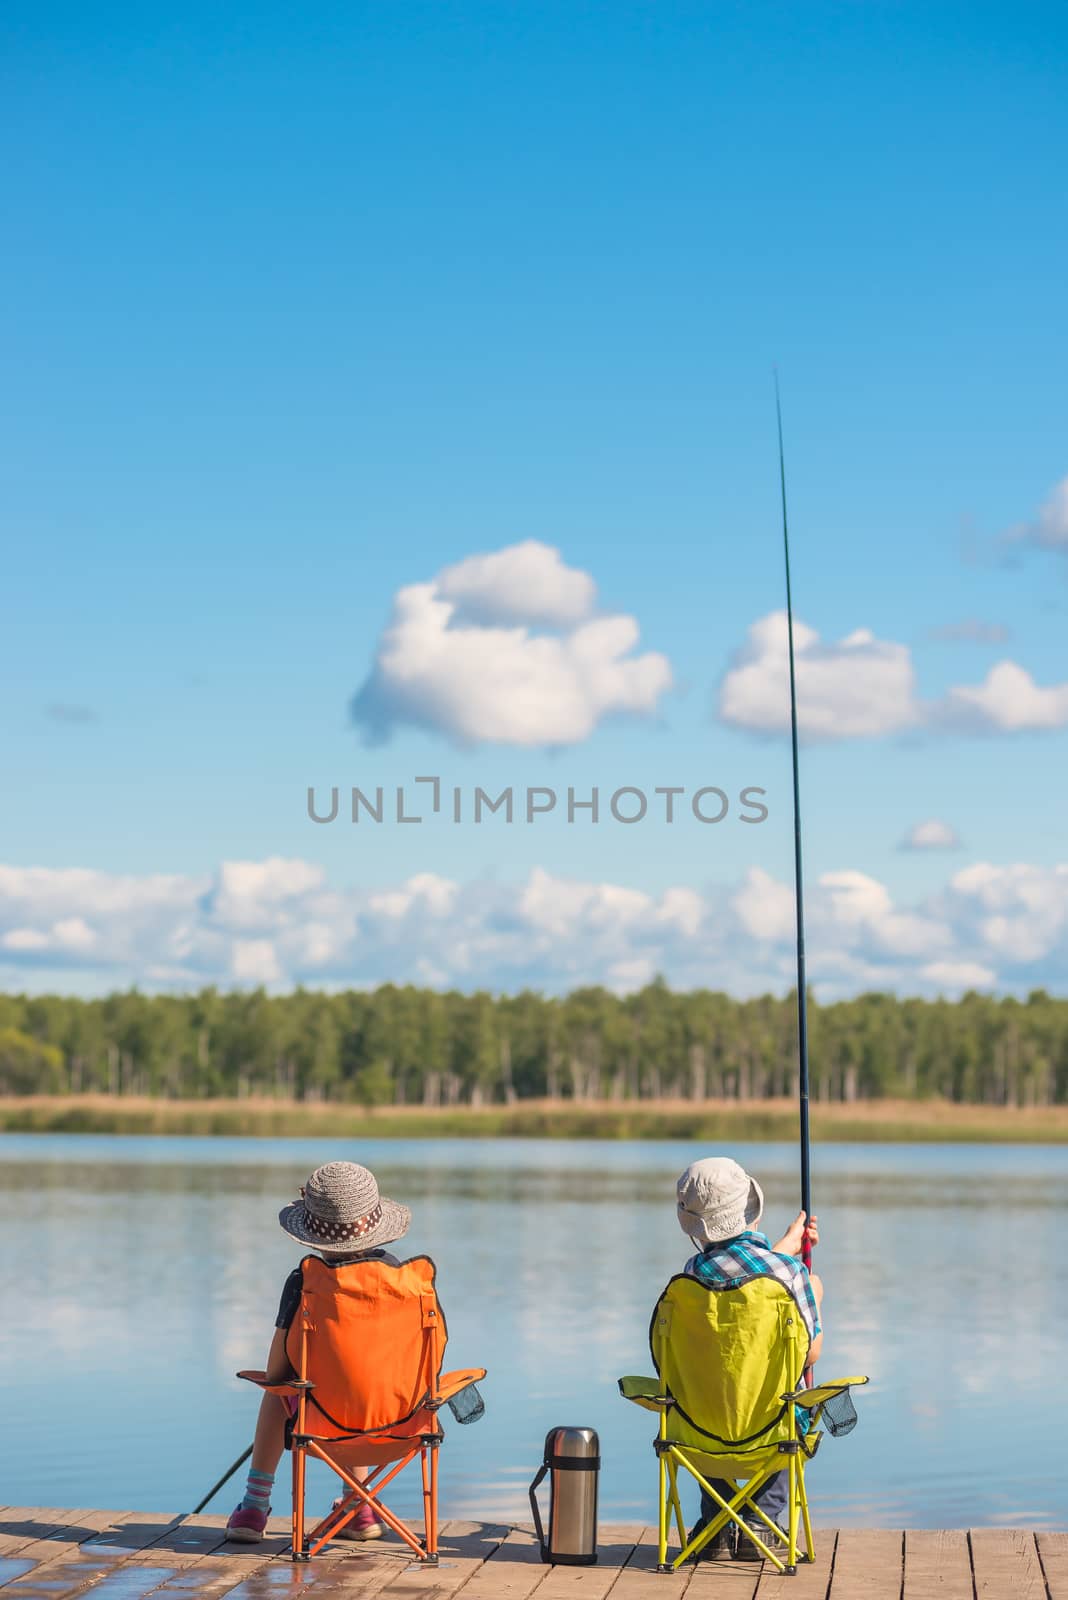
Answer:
(876, 1121)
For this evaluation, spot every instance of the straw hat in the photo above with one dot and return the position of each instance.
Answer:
(717, 1200)
(340, 1211)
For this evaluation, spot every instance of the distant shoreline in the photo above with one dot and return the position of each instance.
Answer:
(770, 1121)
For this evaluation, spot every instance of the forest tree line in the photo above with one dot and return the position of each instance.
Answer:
(398, 1046)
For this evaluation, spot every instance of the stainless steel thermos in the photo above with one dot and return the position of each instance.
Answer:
(572, 1460)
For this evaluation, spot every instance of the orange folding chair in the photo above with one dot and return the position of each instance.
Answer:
(366, 1348)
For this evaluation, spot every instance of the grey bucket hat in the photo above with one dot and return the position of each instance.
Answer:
(717, 1200)
(341, 1211)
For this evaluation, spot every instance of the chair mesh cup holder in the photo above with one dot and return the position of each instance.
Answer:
(468, 1405)
(839, 1414)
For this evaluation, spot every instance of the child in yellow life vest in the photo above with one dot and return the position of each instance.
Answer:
(343, 1218)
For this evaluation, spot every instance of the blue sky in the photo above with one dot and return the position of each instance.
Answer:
(300, 310)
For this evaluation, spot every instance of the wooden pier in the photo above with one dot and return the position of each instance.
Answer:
(130, 1555)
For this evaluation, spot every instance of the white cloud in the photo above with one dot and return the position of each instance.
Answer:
(683, 909)
(525, 582)
(460, 656)
(955, 977)
(251, 894)
(255, 961)
(73, 933)
(857, 688)
(765, 908)
(425, 892)
(25, 939)
(990, 926)
(1049, 527)
(863, 687)
(1020, 912)
(853, 901)
(1007, 701)
(933, 834)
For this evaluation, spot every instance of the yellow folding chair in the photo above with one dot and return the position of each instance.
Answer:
(728, 1390)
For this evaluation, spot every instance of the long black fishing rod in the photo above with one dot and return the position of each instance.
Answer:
(799, 893)
(240, 1462)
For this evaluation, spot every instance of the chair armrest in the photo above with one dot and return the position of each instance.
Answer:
(451, 1383)
(645, 1392)
(820, 1393)
(287, 1386)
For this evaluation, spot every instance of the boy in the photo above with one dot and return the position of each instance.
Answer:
(719, 1206)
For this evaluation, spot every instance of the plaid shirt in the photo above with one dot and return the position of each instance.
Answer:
(736, 1261)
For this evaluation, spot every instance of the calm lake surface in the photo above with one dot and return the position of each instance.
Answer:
(141, 1273)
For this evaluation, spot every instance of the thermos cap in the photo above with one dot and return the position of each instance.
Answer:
(578, 1442)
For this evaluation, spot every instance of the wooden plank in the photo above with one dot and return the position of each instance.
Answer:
(1005, 1563)
(276, 1578)
(868, 1565)
(938, 1565)
(512, 1571)
(102, 1571)
(125, 1556)
(22, 1526)
(136, 1533)
(58, 1554)
(639, 1579)
(462, 1548)
(733, 1580)
(614, 1549)
(13, 1567)
(813, 1579)
(53, 1535)
(200, 1536)
(1053, 1554)
(209, 1577)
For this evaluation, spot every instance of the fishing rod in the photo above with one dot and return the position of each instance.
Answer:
(799, 895)
(240, 1462)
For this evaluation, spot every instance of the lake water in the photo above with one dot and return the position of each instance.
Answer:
(141, 1273)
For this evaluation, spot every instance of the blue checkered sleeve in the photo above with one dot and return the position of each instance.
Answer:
(750, 1256)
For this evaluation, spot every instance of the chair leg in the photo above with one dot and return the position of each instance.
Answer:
(794, 1506)
(424, 1464)
(810, 1548)
(673, 1475)
(731, 1512)
(434, 1497)
(661, 1556)
(299, 1553)
(428, 1458)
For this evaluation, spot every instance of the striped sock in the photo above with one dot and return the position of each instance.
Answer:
(258, 1491)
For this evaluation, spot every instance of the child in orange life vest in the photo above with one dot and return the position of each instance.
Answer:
(341, 1215)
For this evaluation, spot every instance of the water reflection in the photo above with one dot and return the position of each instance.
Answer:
(150, 1270)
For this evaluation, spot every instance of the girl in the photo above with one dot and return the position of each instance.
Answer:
(342, 1216)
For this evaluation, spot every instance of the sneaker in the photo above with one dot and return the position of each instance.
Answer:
(719, 1548)
(247, 1525)
(747, 1551)
(366, 1524)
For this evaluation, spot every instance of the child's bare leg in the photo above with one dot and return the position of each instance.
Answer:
(269, 1441)
(270, 1438)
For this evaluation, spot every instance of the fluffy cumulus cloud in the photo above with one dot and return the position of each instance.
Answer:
(932, 834)
(863, 687)
(280, 922)
(1007, 701)
(507, 647)
(857, 687)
